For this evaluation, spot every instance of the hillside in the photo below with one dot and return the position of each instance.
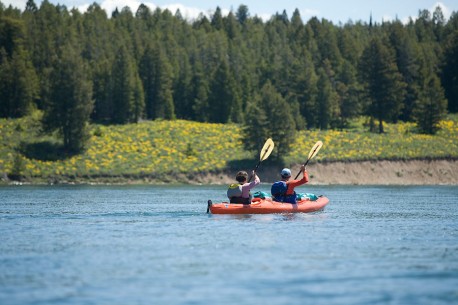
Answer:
(184, 151)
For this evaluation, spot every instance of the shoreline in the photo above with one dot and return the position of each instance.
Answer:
(412, 172)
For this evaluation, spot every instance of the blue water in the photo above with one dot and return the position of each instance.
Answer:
(156, 245)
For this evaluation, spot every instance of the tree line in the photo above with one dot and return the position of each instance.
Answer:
(273, 77)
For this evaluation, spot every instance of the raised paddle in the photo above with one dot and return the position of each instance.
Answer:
(265, 153)
(312, 154)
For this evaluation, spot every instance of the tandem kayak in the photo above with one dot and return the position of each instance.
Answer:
(268, 206)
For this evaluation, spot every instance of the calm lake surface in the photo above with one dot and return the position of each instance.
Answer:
(156, 245)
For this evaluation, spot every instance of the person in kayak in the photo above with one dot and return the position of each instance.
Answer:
(240, 192)
(283, 190)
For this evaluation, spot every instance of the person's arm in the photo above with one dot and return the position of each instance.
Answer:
(293, 183)
(248, 186)
(256, 180)
(305, 177)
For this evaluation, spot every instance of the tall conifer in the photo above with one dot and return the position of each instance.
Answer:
(18, 80)
(383, 83)
(431, 107)
(68, 104)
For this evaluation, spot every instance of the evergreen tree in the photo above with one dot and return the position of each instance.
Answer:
(5, 80)
(102, 93)
(310, 41)
(242, 14)
(201, 94)
(139, 99)
(30, 6)
(148, 77)
(449, 73)
(407, 60)
(48, 30)
(126, 105)
(279, 70)
(431, 107)
(451, 26)
(296, 21)
(349, 46)
(256, 127)
(327, 101)
(295, 110)
(326, 38)
(69, 103)
(275, 121)
(156, 76)
(224, 100)
(182, 89)
(98, 49)
(438, 21)
(303, 89)
(97, 35)
(202, 23)
(382, 81)
(217, 19)
(424, 26)
(349, 92)
(232, 27)
(18, 81)
(283, 17)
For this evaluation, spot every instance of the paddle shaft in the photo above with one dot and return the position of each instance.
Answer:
(255, 169)
(306, 162)
(263, 157)
(308, 159)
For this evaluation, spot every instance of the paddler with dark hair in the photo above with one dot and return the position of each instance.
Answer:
(240, 192)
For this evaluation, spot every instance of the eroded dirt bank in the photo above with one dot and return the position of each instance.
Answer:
(416, 172)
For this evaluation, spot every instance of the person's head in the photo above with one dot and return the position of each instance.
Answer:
(285, 173)
(241, 176)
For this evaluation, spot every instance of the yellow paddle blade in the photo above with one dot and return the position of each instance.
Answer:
(266, 149)
(315, 149)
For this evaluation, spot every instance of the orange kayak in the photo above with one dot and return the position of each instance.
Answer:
(268, 206)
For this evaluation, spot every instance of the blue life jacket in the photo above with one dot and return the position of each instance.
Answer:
(278, 191)
(279, 188)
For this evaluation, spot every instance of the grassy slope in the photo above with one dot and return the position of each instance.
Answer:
(158, 148)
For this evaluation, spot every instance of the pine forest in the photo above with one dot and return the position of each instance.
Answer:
(272, 77)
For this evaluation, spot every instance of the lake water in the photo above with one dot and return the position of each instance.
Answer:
(156, 245)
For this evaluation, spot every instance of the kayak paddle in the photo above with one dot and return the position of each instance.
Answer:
(312, 154)
(265, 153)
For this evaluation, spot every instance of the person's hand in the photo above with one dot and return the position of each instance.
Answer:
(253, 173)
(302, 167)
